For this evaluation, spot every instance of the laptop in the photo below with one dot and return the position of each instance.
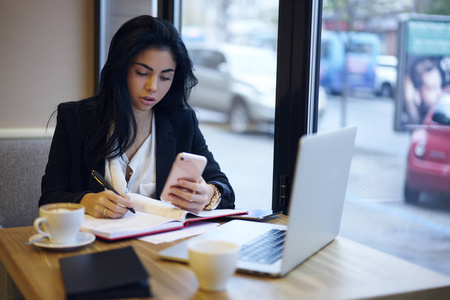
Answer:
(316, 204)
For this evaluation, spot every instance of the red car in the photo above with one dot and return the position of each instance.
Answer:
(428, 166)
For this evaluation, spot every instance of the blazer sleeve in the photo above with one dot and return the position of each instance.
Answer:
(62, 179)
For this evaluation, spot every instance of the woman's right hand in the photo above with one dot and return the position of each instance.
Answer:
(106, 204)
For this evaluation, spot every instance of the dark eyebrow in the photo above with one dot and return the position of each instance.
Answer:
(147, 67)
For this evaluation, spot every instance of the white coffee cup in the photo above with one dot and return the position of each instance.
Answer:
(213, 262)
(60, 222)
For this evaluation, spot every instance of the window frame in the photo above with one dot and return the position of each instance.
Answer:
(298, 59)
(299, 31)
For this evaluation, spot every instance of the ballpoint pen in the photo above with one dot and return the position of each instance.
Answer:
(107, 186)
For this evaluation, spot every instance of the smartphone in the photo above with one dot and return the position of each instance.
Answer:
(186, 166)
(256, 215)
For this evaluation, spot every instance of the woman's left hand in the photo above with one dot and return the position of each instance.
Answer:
(191, 196)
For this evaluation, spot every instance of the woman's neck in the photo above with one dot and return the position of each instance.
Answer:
(144, 122)
(143, 130)
(142, 116)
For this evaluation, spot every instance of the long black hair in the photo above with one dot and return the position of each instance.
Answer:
(115, 117)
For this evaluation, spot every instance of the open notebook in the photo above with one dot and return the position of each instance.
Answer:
(152, 216)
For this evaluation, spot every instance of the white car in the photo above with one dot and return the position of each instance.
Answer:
(236, 80)
(385, 75)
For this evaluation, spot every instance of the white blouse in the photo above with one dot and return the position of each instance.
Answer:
(143, 177)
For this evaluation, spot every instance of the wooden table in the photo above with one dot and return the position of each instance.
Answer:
(342, 270)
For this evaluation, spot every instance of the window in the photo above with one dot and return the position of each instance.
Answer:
(397, 200)
(232, 45)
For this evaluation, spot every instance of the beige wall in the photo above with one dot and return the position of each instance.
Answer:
(46, 57)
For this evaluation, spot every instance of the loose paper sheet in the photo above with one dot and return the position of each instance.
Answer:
(194, 228)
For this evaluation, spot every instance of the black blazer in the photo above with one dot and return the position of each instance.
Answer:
(68, 177)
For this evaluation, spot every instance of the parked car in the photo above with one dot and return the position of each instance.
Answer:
(385, 75)
(238, 81)
(428, 165)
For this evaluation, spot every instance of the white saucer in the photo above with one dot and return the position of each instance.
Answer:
(82, 239)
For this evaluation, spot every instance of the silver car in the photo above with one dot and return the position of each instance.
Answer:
(236, 80)
(239, 81)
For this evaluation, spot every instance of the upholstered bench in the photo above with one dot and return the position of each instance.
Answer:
(22, 164)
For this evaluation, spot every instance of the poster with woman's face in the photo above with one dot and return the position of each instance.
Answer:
(424, 68)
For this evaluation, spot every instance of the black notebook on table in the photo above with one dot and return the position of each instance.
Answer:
(109, 274)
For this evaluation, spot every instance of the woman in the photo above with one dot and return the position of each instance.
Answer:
(132, 130)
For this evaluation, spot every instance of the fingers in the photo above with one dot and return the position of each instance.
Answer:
(108, 213)
(190, 196)
(123, 201)
(116, 205)
(184, 204)
(106, 204)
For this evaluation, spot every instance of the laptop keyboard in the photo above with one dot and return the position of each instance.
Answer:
(265, 249)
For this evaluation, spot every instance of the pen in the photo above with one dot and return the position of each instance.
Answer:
(107, 186)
